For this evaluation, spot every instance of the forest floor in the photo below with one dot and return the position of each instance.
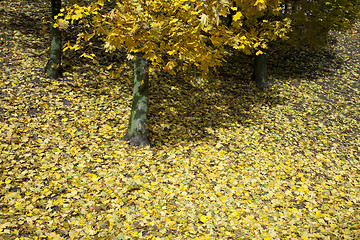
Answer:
(228, 161)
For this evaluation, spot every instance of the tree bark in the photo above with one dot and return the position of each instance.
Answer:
(53, 66)
(260, 72)
(137, 133)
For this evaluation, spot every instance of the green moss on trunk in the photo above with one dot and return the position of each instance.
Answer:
(53, 66)
(137, 133)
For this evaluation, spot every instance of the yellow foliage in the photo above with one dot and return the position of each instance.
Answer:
(227, 161)
(144, 26)
(237, 16)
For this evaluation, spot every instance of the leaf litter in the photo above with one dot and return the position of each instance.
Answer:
(228, 162)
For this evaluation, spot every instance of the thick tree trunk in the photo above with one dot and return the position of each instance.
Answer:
(260, 72)
(136, 133)
(53, 66)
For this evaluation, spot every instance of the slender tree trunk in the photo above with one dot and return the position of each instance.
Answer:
(136, 133)
(53, 66)
(260, 72)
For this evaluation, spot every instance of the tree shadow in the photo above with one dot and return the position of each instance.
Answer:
(307, 64)
(180, 111)
(19, 21)
(22, 25)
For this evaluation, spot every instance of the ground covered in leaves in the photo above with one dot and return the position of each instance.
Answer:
(228, 162)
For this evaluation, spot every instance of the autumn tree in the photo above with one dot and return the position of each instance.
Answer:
(53, 66)
(262, 23)
(312, 20)
(187, 32)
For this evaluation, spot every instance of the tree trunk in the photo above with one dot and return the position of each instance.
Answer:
(260, 72)
(136, 133)
(53, 66)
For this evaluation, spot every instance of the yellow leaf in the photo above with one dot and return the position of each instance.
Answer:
(237, 16)
(173, 21)
(110, 66)
(67, 46)
(204, 19)
(203, 218)
(172, 52)
(57, 176)
(87, 55)
(76, 47)
(318, 214)
(260, 4)
(94, 177)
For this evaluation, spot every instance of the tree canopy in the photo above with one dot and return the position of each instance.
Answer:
(189, 31)
(312, 20)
